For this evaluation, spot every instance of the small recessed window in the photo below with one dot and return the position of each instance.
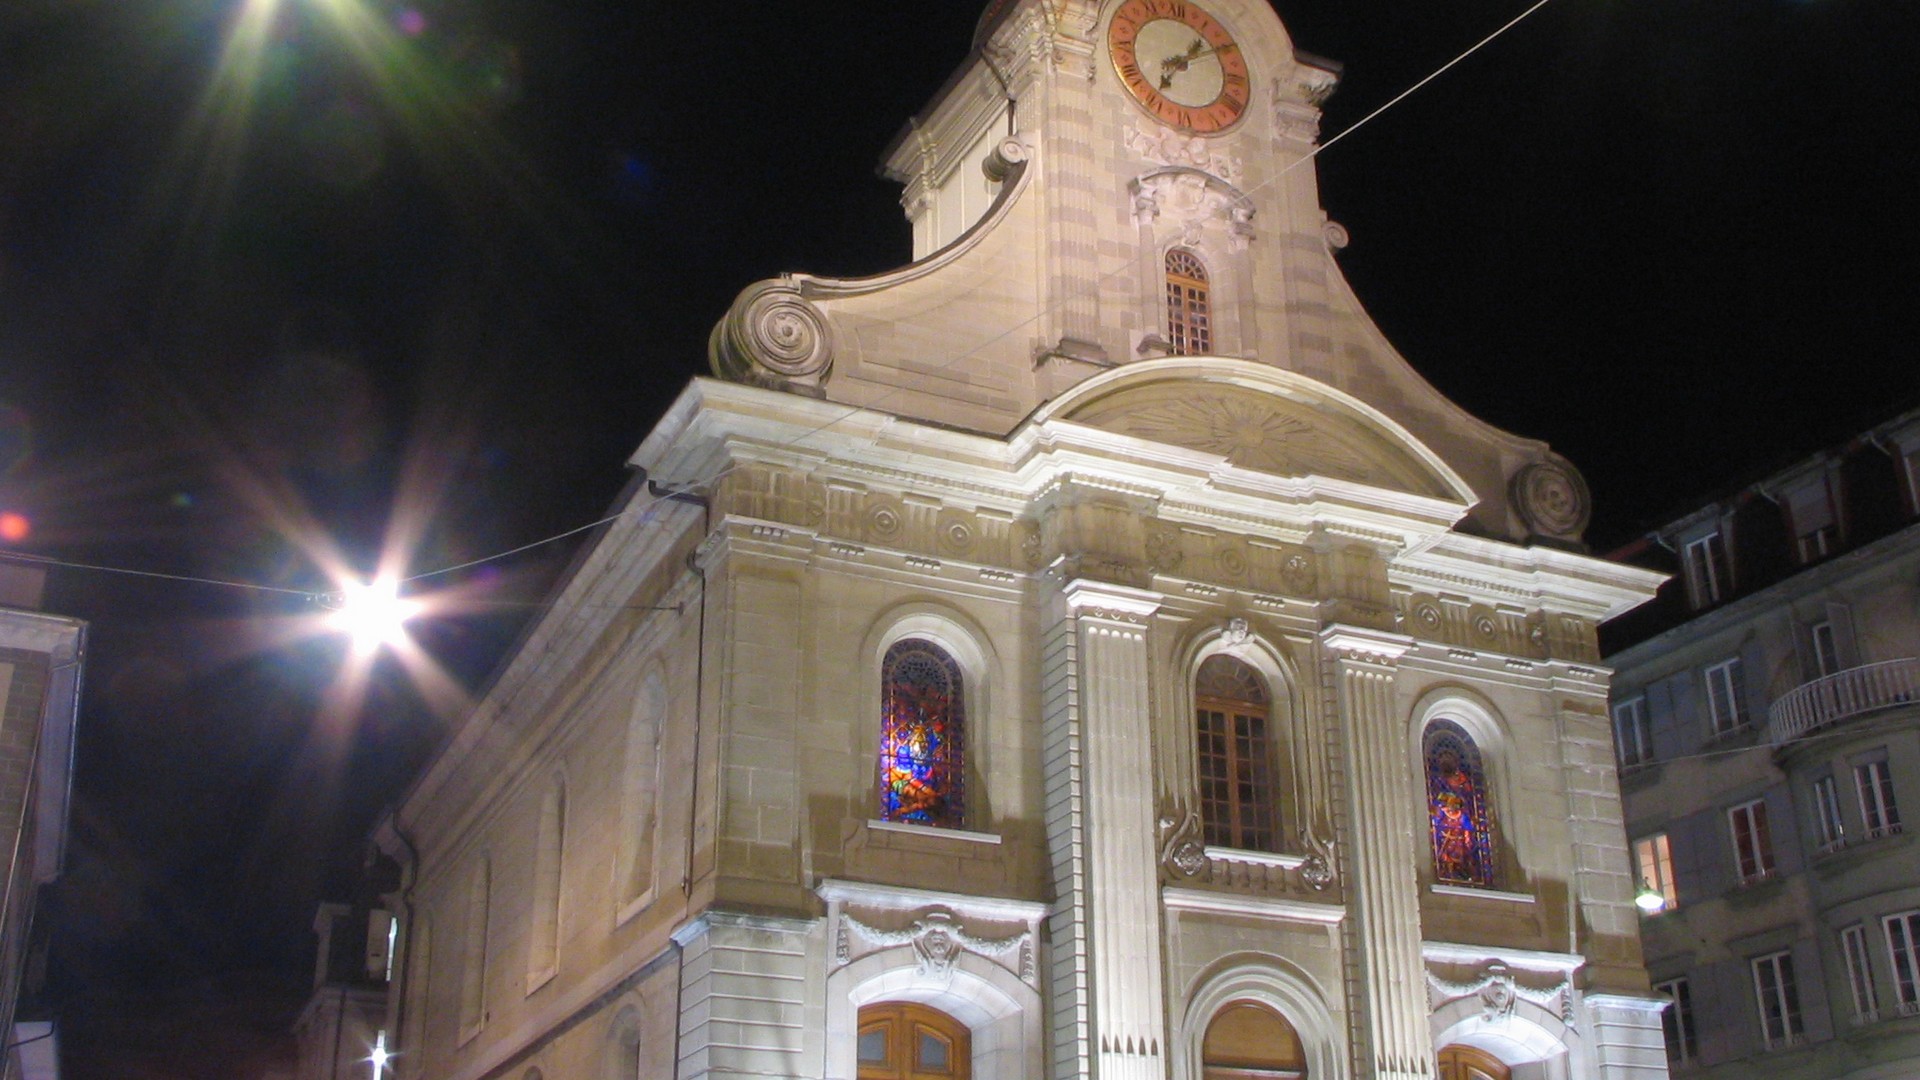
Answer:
(1706, 565)
(1189, 304)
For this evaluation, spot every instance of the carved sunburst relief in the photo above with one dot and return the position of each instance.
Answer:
(1249, 430)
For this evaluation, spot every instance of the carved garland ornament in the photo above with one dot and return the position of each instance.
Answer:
(1498, 992)
(938, 939)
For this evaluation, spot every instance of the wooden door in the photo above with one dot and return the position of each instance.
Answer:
(902, 1041)
(1466, 1063)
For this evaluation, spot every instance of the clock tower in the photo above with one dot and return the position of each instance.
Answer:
(1088, 650)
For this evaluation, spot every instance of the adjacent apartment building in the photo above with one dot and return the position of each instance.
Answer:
(1766, 714)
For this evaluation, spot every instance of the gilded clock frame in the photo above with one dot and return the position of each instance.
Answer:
(1236, 85)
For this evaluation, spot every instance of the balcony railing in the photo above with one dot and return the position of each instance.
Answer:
(1842, 695)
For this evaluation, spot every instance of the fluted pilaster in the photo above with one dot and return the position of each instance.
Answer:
(1390, 1007)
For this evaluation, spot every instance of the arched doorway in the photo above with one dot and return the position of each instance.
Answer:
(1246, 1041)
(1466, 1063)
(901, 1041)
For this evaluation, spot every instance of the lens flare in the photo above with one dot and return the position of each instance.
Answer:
(14, 527)
(374, 615)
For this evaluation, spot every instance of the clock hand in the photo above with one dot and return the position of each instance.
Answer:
(1174, 65)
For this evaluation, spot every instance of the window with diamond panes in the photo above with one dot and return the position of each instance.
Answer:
(1189, 304)
(923, 724)
(1232, 718)
(1459, 809)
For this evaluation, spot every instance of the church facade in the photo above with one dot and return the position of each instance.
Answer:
(1087, 651)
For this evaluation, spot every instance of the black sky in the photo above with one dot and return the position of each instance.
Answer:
(1674, 238)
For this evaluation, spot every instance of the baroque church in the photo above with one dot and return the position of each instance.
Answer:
(1089, 650)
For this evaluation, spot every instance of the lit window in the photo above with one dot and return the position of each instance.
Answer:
(1879, 814)
(1235, 761)
(923, 721)
(1780, 1023)
(1752, 843)
(1677, 1022)
(1245, 1040)
(1853, 945)
(1189, 311)
(1707, 578)
(1458, 807)
(1903, 944)
(1725, 710)
(1826, 815)
(1632, 734)
(1654, 859)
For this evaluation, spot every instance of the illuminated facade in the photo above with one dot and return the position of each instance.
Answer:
(1039, 661)
(1767, 720)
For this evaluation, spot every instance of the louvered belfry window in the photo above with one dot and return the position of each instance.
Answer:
(1189, 308)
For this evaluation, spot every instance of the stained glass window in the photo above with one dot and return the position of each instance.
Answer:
(1236, 788)
(1189, 312)
(923, 720)
(1458, 807)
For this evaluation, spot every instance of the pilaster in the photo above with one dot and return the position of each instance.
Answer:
(1106, 929)
(1389, 1007)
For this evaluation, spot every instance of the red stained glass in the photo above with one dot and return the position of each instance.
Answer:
(922, 736)
(1457, 804)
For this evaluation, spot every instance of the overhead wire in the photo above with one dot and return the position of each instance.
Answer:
(648, 500)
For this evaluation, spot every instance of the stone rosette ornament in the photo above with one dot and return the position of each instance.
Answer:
(1552, 499)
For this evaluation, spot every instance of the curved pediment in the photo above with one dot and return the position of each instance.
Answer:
(1262, 419)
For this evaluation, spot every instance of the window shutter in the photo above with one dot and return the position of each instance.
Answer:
(1660, 718)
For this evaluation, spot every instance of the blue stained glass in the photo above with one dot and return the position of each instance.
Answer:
(1457, 805)
(922, 736)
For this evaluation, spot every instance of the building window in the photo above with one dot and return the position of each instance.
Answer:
(923, 723)
(1725, 710)
(1677, 1022)
(1235, 760)
(1632, 734)
(1458, 807)
(1780, 1023)
(912, 1042)
(1826, 649)
(1189, 312)
(640, 795)
(1752, 843)
(1853, 945)
(473, 967)
(1707, 578)
(1814, 530)
(1879, 814)
(1654, 859)
(1903, 945)
(1826, 815)
(1245, 1040)
(543, 949)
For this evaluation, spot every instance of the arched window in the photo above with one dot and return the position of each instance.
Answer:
(1246, 1041)
(543, 946)
(1189, 310)
(640, 795)
(923, 726)
(1231, 717)
(912, 1042)
(1459, 806)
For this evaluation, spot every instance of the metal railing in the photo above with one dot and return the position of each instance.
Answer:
(1833, 698)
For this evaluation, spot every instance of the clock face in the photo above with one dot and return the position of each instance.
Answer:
(1180, 63)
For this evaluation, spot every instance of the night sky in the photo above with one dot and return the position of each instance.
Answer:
(435, 270)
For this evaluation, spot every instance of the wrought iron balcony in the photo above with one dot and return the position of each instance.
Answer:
(1841, 696)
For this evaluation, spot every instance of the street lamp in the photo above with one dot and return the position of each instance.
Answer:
(372, 614)
(1649, 900)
